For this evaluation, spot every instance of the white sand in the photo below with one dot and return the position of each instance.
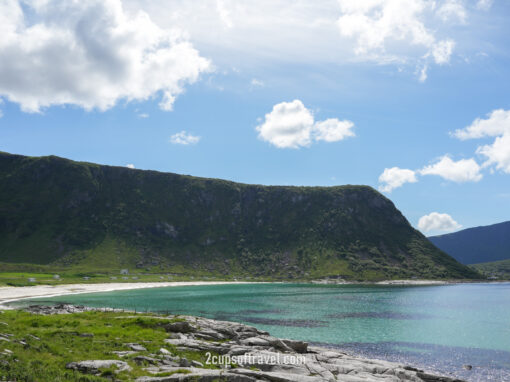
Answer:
(416, 282)
(9, 294)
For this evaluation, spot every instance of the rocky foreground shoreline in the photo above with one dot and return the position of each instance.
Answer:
(244, 354)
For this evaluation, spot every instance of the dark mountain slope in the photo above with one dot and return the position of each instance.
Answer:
(477, 245)
(494, 269)
(57, 211)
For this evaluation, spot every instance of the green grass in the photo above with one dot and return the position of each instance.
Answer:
(20, 279)
(60, 343)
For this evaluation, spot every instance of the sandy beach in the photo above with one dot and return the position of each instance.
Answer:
(10, 294)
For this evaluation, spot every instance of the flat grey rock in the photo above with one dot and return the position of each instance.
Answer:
(93, 367)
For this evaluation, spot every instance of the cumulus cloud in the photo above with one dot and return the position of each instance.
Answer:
(383, 29)
(464, 170)
(395, 177)
(130, 165)
(436, 221)
(497, 153)
(292, 125)
(184, 138)
(496, 125)
(90, 53)
(333, 130)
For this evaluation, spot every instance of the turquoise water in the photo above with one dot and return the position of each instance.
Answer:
(437, 327)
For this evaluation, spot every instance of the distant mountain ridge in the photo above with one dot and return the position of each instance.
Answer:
(478, 244)
(84, 215)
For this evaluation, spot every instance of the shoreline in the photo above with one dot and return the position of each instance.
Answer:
(11, 294)
(346, 357)
(192, 342)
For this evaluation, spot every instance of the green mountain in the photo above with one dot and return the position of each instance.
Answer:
(87, 216)
(477, 245)
(498, 269)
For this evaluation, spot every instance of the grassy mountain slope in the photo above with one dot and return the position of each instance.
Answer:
(66, 213)
(477, 245)
(499, 269)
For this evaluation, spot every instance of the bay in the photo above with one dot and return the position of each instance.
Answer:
(439, 328)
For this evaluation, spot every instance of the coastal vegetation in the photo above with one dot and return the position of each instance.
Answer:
(495, 269)
(36, 347)
(70, 343)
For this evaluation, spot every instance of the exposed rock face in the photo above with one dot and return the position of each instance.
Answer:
(267, 358)
(179, 327)
(64, 309)
(93, 367)
(243, 353)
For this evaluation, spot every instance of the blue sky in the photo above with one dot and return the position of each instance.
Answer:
(240, 91)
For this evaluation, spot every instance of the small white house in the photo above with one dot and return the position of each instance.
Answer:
(56, 277)
(32, 280)
(124, 272)
(86, 278)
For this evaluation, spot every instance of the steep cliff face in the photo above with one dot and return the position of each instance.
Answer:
(54, 210)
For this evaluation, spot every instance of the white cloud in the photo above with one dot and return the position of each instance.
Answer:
(464, 170)
(130, 165)
(289, 125)
(498, 153)
(90, 53)
(442, 51)
(184, 138)
(436, 221)
(484, 5)
(333, 130)
(143, 115)
(251, 33)
(452, 10)
(395, 177)
(224, 14)
(292, 125)
(497, 124)
(248, 33)
(391, 29)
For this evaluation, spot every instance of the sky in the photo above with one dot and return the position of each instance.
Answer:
(410, 97)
